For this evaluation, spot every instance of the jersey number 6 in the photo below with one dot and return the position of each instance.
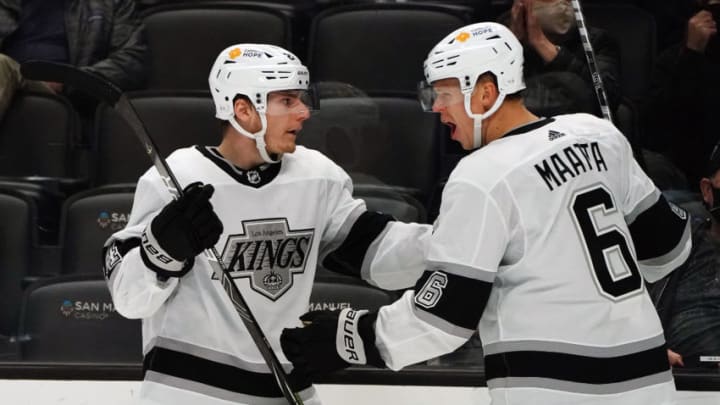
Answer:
(616, 271)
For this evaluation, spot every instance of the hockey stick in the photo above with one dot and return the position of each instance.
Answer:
(107, 92)
(590, 57)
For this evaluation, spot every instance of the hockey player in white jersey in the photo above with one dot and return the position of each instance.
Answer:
(273, 210)
(544, 237)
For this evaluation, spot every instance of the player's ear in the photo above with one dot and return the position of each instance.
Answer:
(490, 94)
(244, 110)
(484, 95)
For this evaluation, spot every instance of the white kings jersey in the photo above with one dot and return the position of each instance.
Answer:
(279, 220)
(542, 242)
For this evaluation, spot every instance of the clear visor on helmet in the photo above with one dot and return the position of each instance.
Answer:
(439, 95)
(283, 102)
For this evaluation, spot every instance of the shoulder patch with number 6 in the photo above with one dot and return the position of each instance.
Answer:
(432, 291)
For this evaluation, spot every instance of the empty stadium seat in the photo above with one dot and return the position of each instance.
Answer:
(635, 30)
(37, 139)
(379, 47)
(37, 136)
(383, 142)
(17, 233)
(185, 38)
(173, 120)
(403, 207)
(72, 319)
(88, 219)
(327, 295)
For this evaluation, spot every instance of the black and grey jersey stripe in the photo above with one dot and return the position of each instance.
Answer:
(355, 249)
(213, 373)
(453, 297)
(658, 229)
(115, 252)
(576, 368)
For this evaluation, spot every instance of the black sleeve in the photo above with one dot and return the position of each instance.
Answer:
(348, 257)
(659, 230)
(453, 302)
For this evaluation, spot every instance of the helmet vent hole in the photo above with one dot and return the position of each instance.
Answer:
(227, 98)
(452, 63)
(495, 50)
(508, 46)
(493, 37)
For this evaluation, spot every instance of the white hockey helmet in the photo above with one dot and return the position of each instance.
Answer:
(254, 70)
(469, 52)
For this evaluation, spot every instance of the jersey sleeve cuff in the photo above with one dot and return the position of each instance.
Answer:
(159, 262)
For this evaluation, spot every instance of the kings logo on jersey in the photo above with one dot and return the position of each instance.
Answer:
(269, 253)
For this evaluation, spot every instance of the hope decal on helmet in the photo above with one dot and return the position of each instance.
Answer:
(466, 54)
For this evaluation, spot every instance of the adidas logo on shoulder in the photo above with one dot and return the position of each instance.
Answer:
(553, 135)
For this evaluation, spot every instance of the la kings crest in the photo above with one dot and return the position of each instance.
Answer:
(269, 253)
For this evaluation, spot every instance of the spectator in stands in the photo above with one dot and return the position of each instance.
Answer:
(102, 36)
(671, 17)
(683, 106)
(689, 300)
(556, 73)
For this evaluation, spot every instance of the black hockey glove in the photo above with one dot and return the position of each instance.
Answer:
(332, 341)
(184, 228)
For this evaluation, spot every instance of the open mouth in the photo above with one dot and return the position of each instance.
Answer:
(453, 128)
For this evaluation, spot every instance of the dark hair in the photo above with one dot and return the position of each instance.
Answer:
(518, 95)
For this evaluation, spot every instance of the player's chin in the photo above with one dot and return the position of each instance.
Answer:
(464, 141)
(289, 146)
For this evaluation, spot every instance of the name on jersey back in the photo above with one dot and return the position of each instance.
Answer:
(570, 162)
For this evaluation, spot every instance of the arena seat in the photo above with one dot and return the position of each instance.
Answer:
(17, 236)
(185, 38)
(72, 319)
(37, 140)
(88, 219)
(382, 142)
(379, 47)
(173, 120)
(401, 206)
